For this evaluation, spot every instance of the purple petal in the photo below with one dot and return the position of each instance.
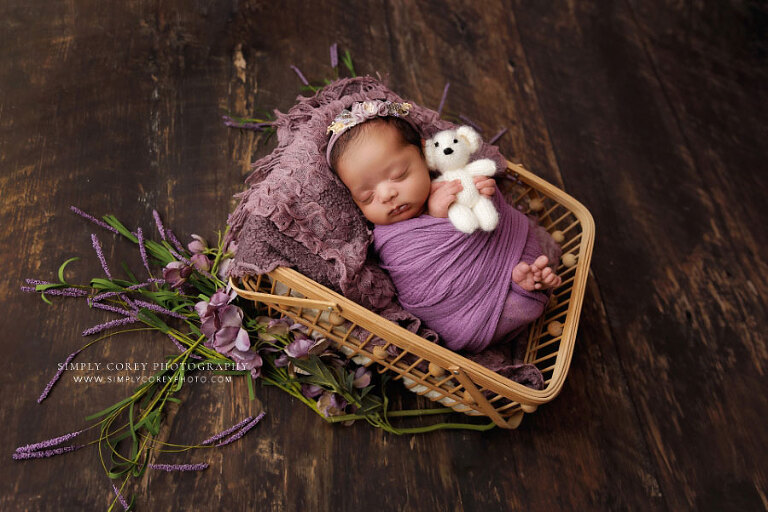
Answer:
(310, 390)
(299, 348)
(231, 316)
(243, 341)
(362, 378)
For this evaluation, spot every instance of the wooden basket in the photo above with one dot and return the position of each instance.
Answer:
(452, 379)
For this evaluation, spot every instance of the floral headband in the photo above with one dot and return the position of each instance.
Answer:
(360, 112)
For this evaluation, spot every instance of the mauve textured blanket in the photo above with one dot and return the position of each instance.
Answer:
(297, 213)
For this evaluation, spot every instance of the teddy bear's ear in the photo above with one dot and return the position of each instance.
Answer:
(470, 137)
(429, 153)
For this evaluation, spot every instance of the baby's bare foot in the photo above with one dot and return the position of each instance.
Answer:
(536, 276)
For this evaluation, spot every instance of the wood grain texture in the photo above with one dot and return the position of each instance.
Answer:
(650, 113)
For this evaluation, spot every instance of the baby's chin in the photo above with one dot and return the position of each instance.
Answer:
(410, 213)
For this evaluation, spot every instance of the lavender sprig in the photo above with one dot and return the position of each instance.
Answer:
(143, 250)
(107, 307)
(50, 442)
(497, 136)
(179, 467)
(64, 292)
(227, 432)
(94, 220)
(174, 240)
(120, 498)
(58, 374)
(37, 281)
(159, 309)
(442, 99)
(182, 348)
(242, 431)
(228, 121)
(46, 453)
(107, 325)
(300, 74)
(100, 254)
(334, 55)
(470, 122)
(159, 224)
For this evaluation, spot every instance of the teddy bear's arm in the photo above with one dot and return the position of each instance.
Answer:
(483, 167)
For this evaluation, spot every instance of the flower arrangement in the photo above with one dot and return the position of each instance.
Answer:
(186, 298)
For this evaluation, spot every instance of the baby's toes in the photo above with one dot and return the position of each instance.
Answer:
(541, 262)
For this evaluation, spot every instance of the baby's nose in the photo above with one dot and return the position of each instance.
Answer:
(447, 151)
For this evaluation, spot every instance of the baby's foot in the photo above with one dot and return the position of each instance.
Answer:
(537, 276)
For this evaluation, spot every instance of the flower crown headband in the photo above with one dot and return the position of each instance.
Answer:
(360, 112)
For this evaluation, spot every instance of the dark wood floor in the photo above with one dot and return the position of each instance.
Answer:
(652, 113)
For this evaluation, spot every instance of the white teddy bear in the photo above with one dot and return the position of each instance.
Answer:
(448, 153)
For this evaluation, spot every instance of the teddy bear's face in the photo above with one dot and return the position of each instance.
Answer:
(450, 149)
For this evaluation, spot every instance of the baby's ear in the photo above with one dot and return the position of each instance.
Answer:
(429, 153)
(470, 137)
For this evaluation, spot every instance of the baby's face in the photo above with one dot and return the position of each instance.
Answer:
(388, 178)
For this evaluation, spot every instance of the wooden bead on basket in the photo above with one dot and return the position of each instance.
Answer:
(558, 236)
(379, 352)
(555, 328)
(436, 370)
(536, 205)
(335, 319)
(569, 260)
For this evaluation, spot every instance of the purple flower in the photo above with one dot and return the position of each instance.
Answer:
(222, 324)
(50, 442)
(497, 136)
(248, 360)
(331, 404)
(242, 431)
(143, 249)
(179, 467)
(224, 266)
(100, 254)
(227, 432)
(55, 378)
(108, 325)
(175, 273)
(94, 220)
(334, 55)
(46, 453)
(300, 75)
(201, 262)
(310, 390)
(442, 99)
(362, 378)
(159, 224)
(197, 245)
(120, 498)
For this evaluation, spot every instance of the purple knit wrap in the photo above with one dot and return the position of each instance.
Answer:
(456, 283)
(297, 213)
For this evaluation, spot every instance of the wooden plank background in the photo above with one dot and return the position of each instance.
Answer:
(653, 114)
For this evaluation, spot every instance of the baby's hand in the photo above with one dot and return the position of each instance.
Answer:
(485, 185)
(441, 196)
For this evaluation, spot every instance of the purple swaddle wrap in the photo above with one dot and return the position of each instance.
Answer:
(456, 283)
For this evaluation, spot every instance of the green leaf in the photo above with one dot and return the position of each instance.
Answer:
(129, 273)
(112, 221)
(61, 268)
(153, 320)
(251, 393)
(43, 287)
(109, 409)
(347, 60)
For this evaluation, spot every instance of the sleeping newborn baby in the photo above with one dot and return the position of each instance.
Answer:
(473, 290)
